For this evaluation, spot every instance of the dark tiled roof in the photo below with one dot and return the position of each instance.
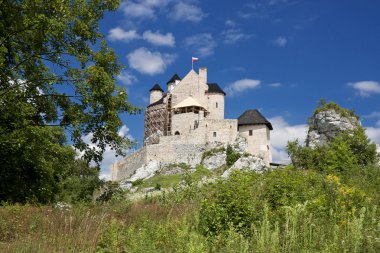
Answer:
(214, 88)
(253, 117)
(174, 78)
(156, 87)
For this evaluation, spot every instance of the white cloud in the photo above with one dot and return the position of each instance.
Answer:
(366, 88)
(187, 12)
(118, 33)
(372, 115)
(230, 23)
(281, 134)
(234, 35)
(242, 85)
(280, 41)
(109, 155)
(127, 78)
(147, 62)
(275, 85)
(142, 9)
(374, 134)
(158, 39)
(202, 44)
(378, 123)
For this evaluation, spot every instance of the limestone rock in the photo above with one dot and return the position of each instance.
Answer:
(215, 161)
(252, 163)
(327, 125)
(241, 144)
(146, 171)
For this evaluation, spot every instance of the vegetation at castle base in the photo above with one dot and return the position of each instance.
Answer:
(288, 210)
(57, 78)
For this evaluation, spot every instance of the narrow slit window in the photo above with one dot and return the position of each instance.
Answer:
(214, 134)
(216, 105)
(250, 132)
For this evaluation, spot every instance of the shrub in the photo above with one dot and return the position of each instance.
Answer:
(232, 156)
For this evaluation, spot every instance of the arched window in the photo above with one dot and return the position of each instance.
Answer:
(216, 105)
(176, 133)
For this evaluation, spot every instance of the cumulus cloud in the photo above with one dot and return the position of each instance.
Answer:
(366, 88)
(275, 85)
(281, 134)
(202, 44)
(233, 35)
(147, 62)
(184, 11)
(118, 34)
(142, 9)
(374, 134)
(242, 85)
(280, 41)
(127, 78)
(158, 39)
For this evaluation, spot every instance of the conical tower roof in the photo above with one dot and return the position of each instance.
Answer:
(156, 87)
(253, 117)
(174, 78)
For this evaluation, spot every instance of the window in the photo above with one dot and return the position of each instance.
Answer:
(214, 134)
(216, 105)
(250, 132)
(176, 133)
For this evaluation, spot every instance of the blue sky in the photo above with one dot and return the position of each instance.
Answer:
(279, 56)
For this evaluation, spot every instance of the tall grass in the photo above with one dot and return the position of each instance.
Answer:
(330, 217)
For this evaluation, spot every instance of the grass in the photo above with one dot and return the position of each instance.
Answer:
(286, 220)
(170, 181)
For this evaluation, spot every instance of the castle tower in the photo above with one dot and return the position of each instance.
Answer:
(215, 101)
(256, 129)
(156, 93)
(173, 82)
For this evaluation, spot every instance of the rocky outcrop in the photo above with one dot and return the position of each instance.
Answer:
(251, 163)
(326, 125)
(146, 171)
(215, 161)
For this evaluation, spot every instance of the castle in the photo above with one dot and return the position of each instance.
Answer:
(187, 119)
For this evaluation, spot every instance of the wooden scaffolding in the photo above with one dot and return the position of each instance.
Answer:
(158, 121)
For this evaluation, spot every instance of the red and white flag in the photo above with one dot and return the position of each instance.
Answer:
(194, 59)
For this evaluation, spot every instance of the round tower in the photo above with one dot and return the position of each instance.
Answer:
(156, 93)
(215, 101)
(173, 82)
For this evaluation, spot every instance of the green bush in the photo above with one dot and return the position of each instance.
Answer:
(232, 156)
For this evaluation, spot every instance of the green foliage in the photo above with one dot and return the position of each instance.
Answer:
(342, 154)
(325, 106)
(57, 77)
(232, 156)
(227, 205)
(111, 192)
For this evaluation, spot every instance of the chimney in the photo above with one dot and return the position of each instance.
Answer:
(203, 75)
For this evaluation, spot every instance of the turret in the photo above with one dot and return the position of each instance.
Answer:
(173, 82)
(215, 101)
(203, 75)
(156, 93)
(256, 129)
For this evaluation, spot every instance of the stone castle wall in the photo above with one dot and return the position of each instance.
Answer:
(126, 167)
(185, 148)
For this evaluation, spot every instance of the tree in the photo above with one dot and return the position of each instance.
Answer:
(349, 149)
(57, 77)
(57, 67)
